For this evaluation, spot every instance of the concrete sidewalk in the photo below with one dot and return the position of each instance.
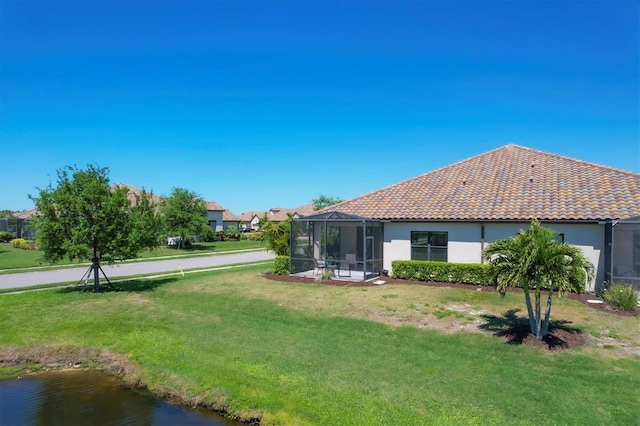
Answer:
(26, 279)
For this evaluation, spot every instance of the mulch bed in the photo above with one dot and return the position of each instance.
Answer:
(558, 338)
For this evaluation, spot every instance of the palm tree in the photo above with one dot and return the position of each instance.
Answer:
(535, 260)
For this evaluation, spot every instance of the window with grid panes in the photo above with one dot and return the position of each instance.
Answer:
(429, 245)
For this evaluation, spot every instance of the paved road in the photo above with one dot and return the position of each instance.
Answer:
(26, 279)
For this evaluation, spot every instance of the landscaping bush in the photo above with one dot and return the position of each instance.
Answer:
(5, 236)
(620, 296)
(281, 265)
(207, 235)
(232, 234)
(17, 242)
(424, 270)
(21, 243)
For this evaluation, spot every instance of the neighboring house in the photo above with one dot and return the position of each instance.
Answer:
(214, 216)
(230, 219)
(18, 224)
(452, 213)
(217, 216)
(220, 218)
(279, 214)
(250, 220)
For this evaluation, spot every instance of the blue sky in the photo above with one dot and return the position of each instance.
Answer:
(260, 104)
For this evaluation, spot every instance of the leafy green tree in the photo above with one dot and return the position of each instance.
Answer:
(84, 218)
(534, 260)
(324, 201)
(6, 213)
(185, 213)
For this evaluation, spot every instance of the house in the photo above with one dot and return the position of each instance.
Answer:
(214, 216)
(230, 219)
(19, 224)
(278, 214)
(250, 220)
(452, 213)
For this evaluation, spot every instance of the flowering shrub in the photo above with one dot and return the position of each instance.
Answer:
(23, 244)
(18, 242)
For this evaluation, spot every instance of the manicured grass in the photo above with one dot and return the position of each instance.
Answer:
(315, 354)
(13, 258)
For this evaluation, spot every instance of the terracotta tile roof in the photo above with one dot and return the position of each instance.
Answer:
(305, 210)
(28, 214)
(212, 206)
(278, 214)
(508, 183)
(248, 216)
(228, 216)
(133, 191)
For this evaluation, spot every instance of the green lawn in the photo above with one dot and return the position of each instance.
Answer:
(324, 355)
(13, 258)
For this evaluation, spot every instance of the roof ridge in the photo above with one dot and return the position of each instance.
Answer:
(335, 206)
(565, 157)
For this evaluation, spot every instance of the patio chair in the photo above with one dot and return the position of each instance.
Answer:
(349, 259)
(318, 265)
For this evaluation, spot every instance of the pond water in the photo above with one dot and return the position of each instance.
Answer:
(88, 398)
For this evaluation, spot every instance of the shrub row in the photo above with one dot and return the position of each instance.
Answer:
(23, 244)
(424, 270)
(281, 265)
(6, 236)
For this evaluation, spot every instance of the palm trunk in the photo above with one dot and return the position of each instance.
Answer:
(538, 317)
(547, 316)
(532, 323)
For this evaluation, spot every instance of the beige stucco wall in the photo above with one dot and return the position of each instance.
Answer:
(465, 244)
(217, 217)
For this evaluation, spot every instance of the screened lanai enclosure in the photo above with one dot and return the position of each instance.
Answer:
(348, 246)
(625, 252)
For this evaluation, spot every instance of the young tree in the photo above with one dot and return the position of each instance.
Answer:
(185, 213)
(84, 218)
(534, 260)
(324, 201)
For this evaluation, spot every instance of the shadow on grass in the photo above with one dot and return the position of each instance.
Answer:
(132, 285)
(515, 330)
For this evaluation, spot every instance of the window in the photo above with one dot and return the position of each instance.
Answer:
(429, 245)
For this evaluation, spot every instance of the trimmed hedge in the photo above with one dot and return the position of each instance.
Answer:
(424, 270)
(281, 265)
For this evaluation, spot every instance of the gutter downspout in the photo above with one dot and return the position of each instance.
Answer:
(613, 224)
(482, 243)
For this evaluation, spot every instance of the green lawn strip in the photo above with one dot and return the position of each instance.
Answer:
(16, 260)
(209, 335)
